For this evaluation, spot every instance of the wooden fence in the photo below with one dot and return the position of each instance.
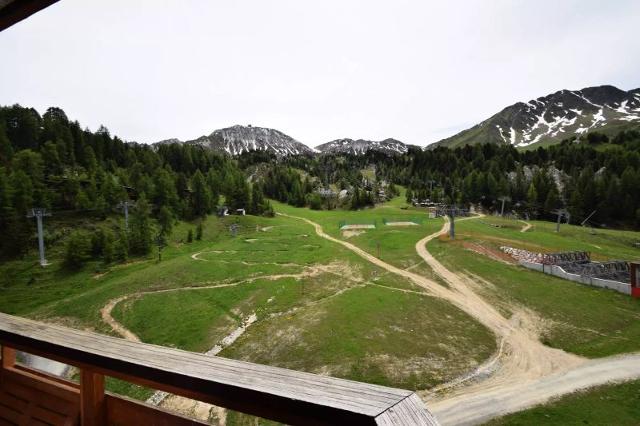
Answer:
(274, 393)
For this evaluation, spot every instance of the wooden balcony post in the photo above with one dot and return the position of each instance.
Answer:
(92, 405)
(8, 357)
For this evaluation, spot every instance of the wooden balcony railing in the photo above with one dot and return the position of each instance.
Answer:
(279, 394)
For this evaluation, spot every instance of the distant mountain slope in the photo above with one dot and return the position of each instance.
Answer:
(360, 146)
(558, 116)
(238, 139)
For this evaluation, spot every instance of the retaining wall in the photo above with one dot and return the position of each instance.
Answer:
(561, 273)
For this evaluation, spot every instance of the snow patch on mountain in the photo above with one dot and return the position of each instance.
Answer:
(554, 117)
(237, 139)
(361, 146)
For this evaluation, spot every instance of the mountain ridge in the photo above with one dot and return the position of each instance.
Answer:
(551, 118)
(361, 146)
(237, 139)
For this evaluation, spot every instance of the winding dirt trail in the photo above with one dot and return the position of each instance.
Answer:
(186, 406)
(526, 226)
(524, 372)
(105, 312)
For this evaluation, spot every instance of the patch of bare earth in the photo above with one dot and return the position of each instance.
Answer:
(352, 233)
(489, 252)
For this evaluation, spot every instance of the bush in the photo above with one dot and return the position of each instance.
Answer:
(77, 250)
(103, 244)
(268, 210)
(121, 247)
(140, 234)
(315, 202)
(108, 247)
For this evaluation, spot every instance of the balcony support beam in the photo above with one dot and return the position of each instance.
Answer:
(92, 399)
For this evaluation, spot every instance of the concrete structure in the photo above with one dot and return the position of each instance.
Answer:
(577, 267)
(558, 271)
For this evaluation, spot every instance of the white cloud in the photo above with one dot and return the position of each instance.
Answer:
(151, 70)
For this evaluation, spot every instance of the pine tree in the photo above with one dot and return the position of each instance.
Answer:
(109, 247)
(200, 195)
(140, 238)
(240, 195)
(165, 194)
(199, 231)
(6, 150)
(257, 200)
(409, 196)
(165, 220)
(532, 199)
(553, 200)
(122, 247)
(77, 250)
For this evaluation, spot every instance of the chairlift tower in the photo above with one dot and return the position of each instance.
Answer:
(503, 199)
(39, 213)
(124, 205)
(451, 213)
(562, 213)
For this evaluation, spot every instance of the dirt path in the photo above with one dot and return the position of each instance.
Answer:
(526, 226)
(105, 312)
(523, 373)
(198, 409)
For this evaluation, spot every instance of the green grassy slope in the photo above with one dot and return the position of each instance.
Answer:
(615, 404)
(350, 320)
(584, 320)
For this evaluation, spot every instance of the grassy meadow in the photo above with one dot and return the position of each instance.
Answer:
(325, 311)
(321, 308)
(613, 404)
(584, 320)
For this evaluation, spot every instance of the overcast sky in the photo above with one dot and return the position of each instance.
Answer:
(417, 71)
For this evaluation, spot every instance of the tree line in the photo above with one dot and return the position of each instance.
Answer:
(51, 162)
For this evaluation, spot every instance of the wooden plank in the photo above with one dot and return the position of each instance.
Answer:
(124, 411)
(12, 416)
(12, 401)
(40, 400)
(270, 392)
(92, 405)
(410, 411)
(48, 415)
(4, 422)
(19, 379)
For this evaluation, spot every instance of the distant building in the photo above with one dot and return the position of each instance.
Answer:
(326, 192)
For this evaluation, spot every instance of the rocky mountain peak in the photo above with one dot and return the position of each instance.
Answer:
(551, 118)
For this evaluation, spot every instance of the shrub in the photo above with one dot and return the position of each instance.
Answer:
(77, 250)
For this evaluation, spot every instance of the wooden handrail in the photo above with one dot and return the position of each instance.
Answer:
(274, 393)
